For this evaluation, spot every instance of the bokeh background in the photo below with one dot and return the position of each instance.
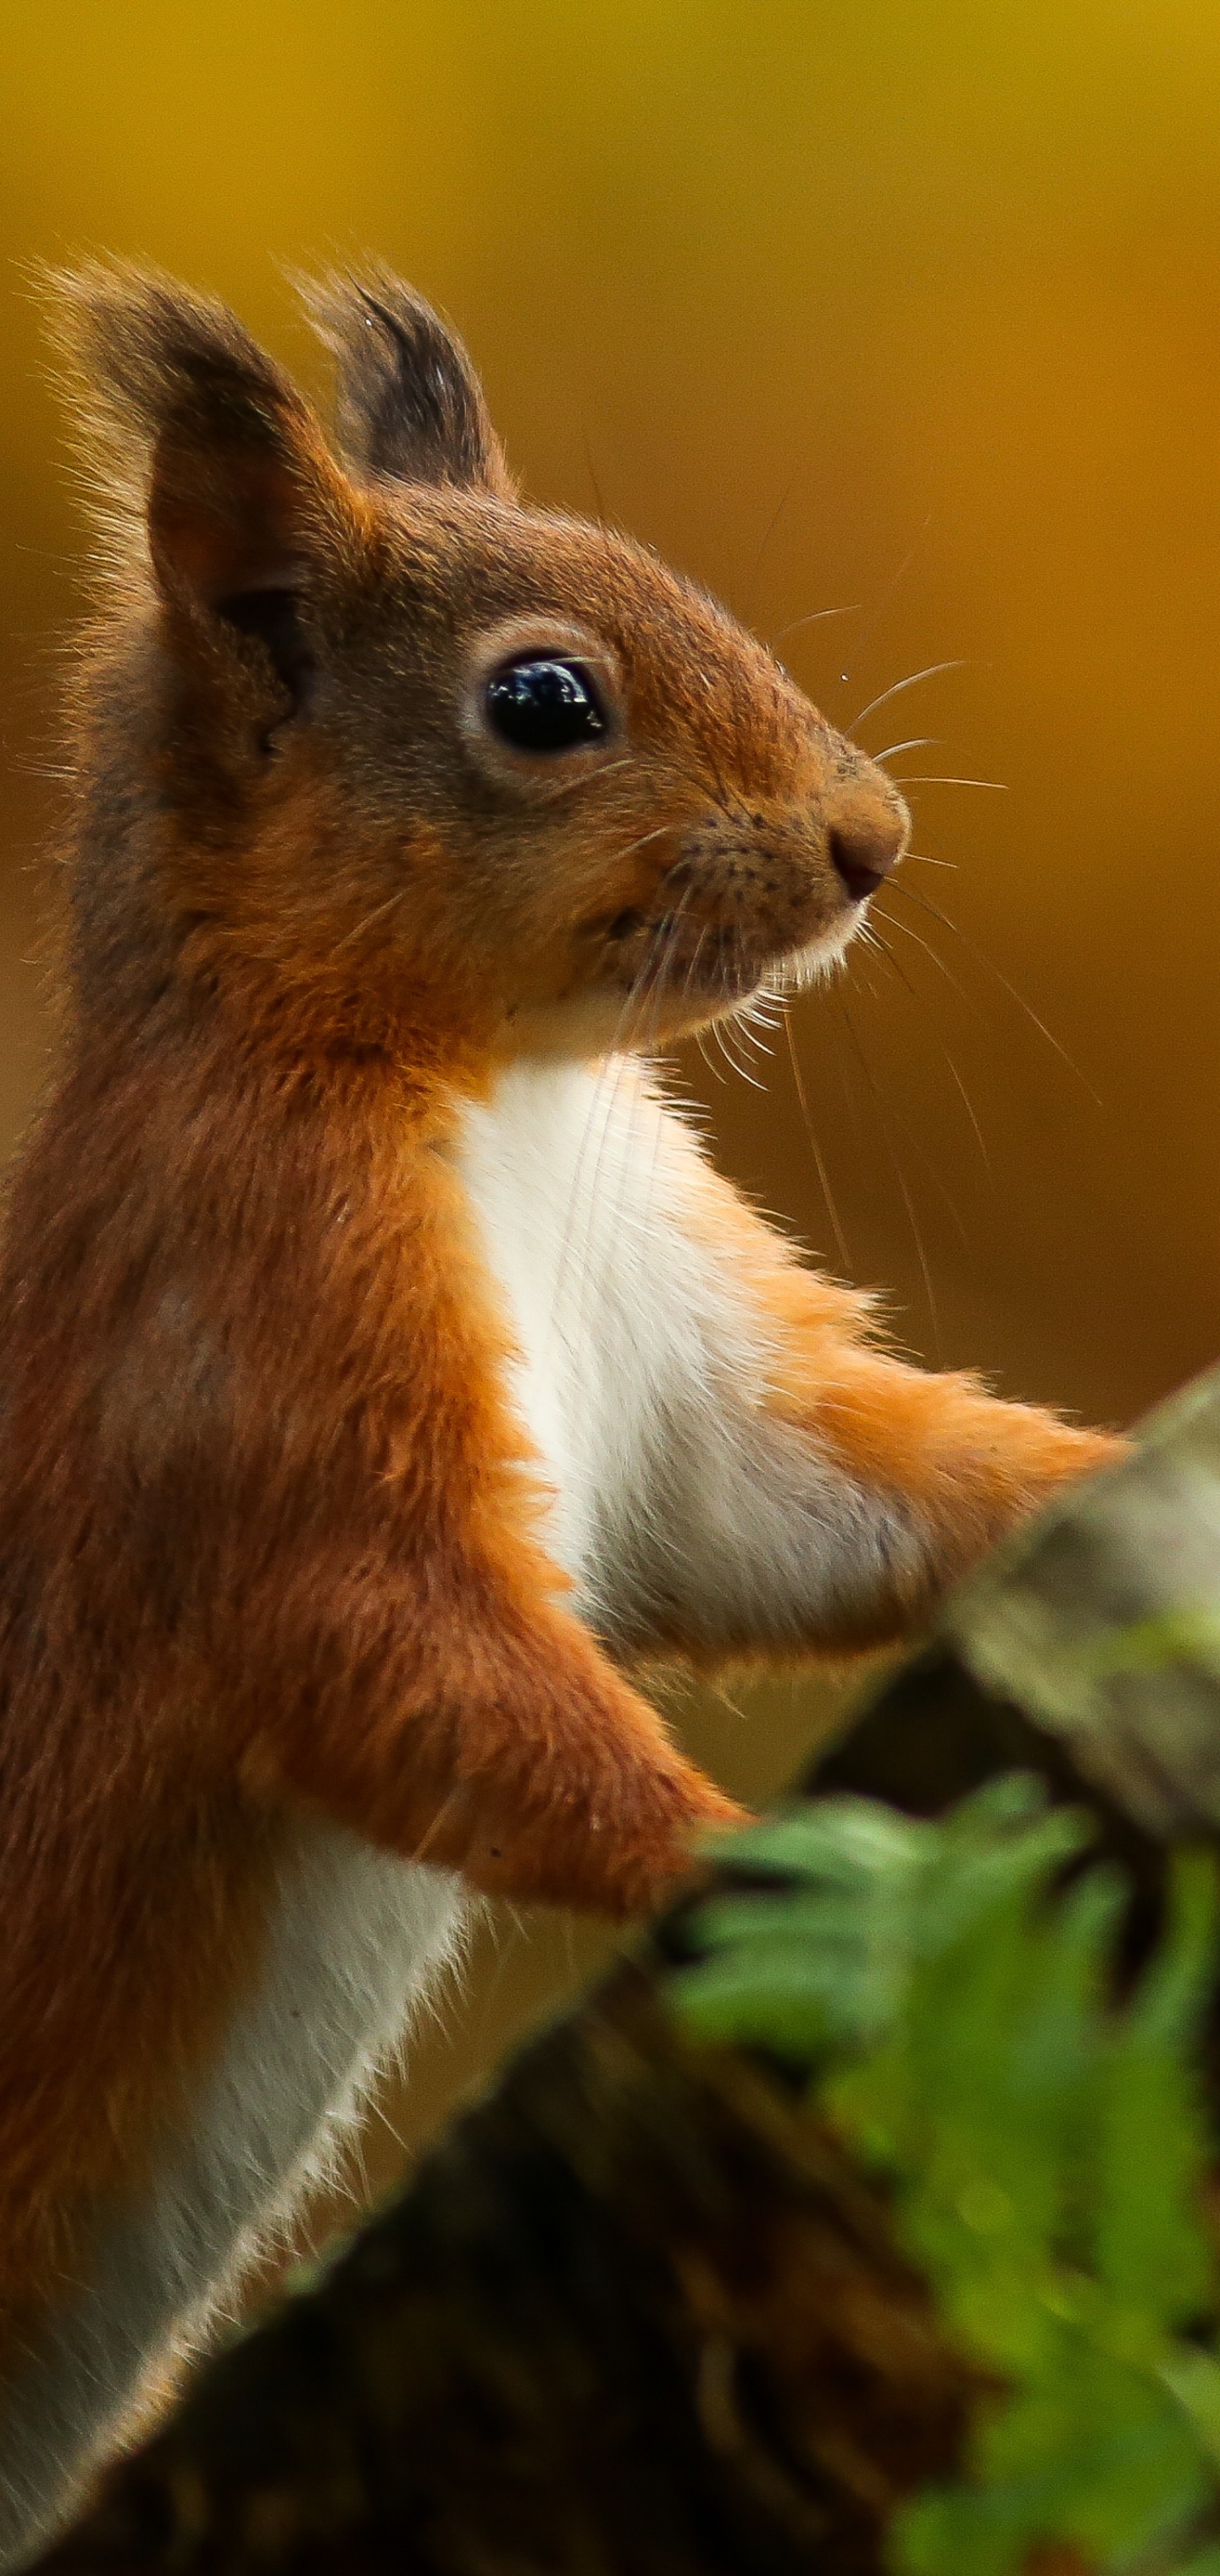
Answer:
(905, 314)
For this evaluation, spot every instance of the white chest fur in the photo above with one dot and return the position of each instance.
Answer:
(642, 1374)
(567, 1172)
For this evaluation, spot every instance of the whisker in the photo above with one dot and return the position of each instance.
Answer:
(700, 1034)
(739, 704)
(882, 949)
(920, 780)
(716, 1033)
(723, 1027)
(658, 954)
(898, 687)
(934, 953)
(605, 1091)
(818, 1157)
(968, 1106)
(569, 786)
(918, 742)
(761, 1005)
(701, 1037)
(615, 1067)
(769, 531)
(392, 901)
(896, 1168)
(748, 1030)
(608, 1083)
(657, 834)
(746, 1037)
(917, 998)
(601, 1105)
(591, 470)
(814, 619)
(692, 778)
(655, 1094)
(886, 596)
(974, 950)
(749, 1017)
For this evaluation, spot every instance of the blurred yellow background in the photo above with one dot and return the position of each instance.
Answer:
(907, 313)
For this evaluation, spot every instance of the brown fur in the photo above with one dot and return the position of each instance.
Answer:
(265, 1535)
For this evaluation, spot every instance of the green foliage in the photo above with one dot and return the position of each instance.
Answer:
(949, 1995)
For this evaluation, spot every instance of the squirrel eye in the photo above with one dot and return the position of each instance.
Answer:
(542, 705)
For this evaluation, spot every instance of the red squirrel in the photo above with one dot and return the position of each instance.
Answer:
(386, 1377)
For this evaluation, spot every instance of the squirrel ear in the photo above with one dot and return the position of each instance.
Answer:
(410, 404)
(202, 438)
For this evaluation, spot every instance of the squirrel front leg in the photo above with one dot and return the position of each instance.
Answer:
(469, 1725)
(383, 1621)
(828, 1493)
(947, 1468)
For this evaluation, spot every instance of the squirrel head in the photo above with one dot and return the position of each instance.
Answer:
(390, 751)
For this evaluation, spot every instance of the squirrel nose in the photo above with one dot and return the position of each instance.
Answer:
(865, 841)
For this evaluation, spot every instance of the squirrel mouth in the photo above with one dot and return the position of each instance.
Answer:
(672, 959)
(666, 957)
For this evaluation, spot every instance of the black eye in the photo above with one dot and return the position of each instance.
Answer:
(540, 705)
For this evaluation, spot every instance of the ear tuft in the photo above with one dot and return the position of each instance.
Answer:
(200, 438)
(410, 404)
